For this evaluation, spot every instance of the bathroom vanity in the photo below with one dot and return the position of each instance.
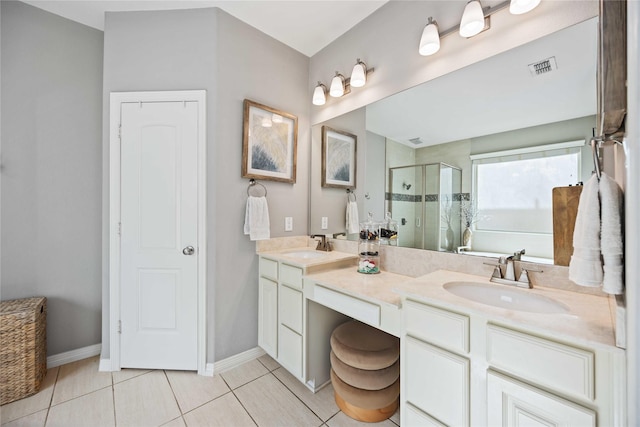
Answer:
(552, 361)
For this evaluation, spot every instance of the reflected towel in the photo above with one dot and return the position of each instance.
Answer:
(611, 235)
(585, 267)
(352, 221)
(256, 218)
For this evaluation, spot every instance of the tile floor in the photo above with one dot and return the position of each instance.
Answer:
(258, 392)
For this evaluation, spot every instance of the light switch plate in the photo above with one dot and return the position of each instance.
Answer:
(325, 223)
(288, 223)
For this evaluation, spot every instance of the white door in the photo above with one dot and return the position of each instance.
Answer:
(159, 231)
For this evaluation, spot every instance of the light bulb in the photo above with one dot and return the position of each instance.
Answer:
(359, 74)
(472, 21)
(319, 94)
(276, 118)
(430, 40)
(518, 7)
(337, 86)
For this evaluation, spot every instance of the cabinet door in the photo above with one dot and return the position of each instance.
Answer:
(512, 403)
(268, 316)
(290, 351)
(437, 382)
(290, 308)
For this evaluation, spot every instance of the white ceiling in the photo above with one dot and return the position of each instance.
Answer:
(305, 25)
(498, 94)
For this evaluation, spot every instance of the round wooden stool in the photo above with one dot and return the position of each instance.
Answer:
(365, 371)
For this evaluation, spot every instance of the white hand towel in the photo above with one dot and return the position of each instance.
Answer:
(256, 218)
(611, 235)
(352, 222)
(585, 267)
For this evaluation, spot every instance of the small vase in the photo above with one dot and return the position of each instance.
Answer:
(449, 238)
(467, 234)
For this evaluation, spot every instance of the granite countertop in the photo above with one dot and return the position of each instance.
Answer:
(375, 287)
(589, 320)
(288, 255)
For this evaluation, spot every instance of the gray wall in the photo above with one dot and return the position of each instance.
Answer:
(51, 170)
(254, 66)
(208, 49)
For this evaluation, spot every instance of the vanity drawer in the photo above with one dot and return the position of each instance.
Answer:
(290, 350)
(268, 268)
(290, 308)
(541, 361)
(291, 275)
(353, 307)
(440, 327)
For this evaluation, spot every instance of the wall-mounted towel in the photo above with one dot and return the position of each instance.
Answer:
(585, 267)
(353, 225)
(597, 237)
(611, 235)
(256, 218)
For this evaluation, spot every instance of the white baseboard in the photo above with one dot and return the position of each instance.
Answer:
(105, 364)
(237, 360)
(73, 355)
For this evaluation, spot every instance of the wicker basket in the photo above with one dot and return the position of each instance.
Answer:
(23, 347)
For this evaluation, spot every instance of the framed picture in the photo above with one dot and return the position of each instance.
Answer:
(338, 158)
(269, 143)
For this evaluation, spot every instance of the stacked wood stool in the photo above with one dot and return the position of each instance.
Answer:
(365, 371)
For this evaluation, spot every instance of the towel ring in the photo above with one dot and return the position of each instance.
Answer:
(252, 184)
(351, 193)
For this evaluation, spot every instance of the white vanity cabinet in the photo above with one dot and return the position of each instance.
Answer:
(268, 307)
(280, 313)
(461, 369)
(435, 368)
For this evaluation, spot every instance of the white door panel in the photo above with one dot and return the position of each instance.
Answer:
(159, 292)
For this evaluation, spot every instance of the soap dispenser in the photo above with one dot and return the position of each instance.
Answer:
(369, 247)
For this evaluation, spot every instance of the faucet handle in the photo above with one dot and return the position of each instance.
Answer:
(497, 273)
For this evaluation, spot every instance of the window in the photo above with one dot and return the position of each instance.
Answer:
(513, 189)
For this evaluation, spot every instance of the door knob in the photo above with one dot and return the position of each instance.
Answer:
(189, 250)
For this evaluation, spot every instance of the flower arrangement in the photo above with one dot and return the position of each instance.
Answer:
(468, 212)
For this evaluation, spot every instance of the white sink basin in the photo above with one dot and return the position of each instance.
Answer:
(310, 254)
(505, 297)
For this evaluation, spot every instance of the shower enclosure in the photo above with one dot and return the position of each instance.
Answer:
(425, 200)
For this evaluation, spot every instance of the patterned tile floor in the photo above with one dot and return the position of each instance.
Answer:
(257, 393)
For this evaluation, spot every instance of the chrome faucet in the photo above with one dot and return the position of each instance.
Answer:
(509, 276)
(323, 244)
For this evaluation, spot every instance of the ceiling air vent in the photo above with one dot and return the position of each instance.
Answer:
(543, 67)
(416, 141)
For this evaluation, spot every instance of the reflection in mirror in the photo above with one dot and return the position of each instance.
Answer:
(514, 126)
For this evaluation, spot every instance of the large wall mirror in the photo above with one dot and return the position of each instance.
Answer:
(489, 141)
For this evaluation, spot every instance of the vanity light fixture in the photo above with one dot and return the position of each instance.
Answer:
(337, 86)
(340, 85)
(276, 118)
(518, 7)
(359, 74)
(430, 40)
(320, 94)
(472, 22)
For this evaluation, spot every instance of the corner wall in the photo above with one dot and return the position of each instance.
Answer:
(209, 49)
(51, 170)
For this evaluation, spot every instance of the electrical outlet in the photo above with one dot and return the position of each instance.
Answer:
(288, 223)
(325, 223)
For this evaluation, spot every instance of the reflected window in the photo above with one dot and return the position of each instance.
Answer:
(513, 189)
